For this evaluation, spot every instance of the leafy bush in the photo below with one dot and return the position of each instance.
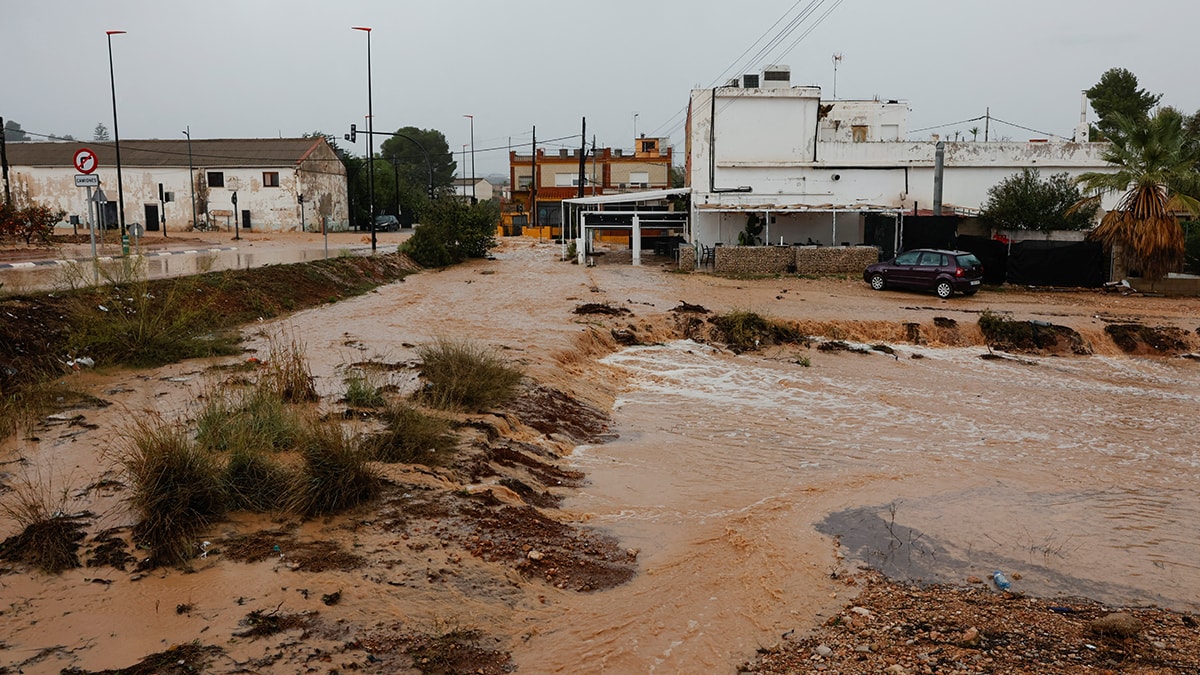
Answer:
(411, 436)
(1191, 246)
(1024, 201)
(464, 375)
(176, 489)
(453, 231)
(31, 222)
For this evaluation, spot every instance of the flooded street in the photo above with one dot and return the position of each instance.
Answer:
(1077, 475)
(181, 256)
(740, 481)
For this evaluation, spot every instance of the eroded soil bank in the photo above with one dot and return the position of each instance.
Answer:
(679, 534)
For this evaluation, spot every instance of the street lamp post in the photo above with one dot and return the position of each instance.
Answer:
(116, 132)
(464, 171)
(191, 177)
(472, 118)
(370, 138)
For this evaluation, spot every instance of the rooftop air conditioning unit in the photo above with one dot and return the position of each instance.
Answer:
(777, 77)
(750, 81)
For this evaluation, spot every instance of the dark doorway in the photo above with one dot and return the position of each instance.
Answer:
(246, 218)
(151, 217)
(108, 215)
(879, 230)
(929, 232)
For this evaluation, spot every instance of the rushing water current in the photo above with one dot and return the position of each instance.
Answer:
(1078, 474)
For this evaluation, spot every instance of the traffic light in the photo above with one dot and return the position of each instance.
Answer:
(353, 135)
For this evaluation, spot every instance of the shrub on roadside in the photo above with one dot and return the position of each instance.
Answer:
(452, 231)
(462, 375)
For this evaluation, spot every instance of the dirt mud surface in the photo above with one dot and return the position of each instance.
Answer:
(640, 506)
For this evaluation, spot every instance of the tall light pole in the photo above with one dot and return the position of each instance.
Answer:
(472, 118)
(116, 131)
(370, 138)
(191, 176)
(464, 171)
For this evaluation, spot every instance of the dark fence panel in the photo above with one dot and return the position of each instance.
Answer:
(929, 232)
(993, 254)
(1057, 263)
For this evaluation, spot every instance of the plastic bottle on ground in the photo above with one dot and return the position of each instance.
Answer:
(1001, 580)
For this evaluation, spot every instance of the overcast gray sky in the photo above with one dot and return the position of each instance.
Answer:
(233, 69)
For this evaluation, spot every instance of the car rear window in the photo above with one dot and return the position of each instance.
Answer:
(968, 260)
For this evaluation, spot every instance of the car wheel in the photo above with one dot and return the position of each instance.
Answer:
(877, 282)
(943, 289)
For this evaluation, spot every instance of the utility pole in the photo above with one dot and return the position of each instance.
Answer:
(582, 157)
(533, 212)
(987, 122)
(4, 164)
(582, 170)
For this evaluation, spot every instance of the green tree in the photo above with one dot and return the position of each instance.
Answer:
(100, 133)
(1117, 93)
(13, 132)
(1156, 170)
(1024, 201)
(408, 149)
(678, 176)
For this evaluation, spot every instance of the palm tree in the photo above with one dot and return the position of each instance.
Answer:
(1156, 169)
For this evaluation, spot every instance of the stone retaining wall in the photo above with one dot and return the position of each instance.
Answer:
(795, 259)
(753, 259)
(834, 259)
(687, 258)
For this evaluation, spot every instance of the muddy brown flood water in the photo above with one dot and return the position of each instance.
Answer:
(735, 477)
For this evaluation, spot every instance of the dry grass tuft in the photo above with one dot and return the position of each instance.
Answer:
(286, 373)
(462, 375)
(177, 488)
(411, 437)
(335, 475)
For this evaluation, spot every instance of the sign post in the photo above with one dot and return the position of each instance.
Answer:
(85, 163)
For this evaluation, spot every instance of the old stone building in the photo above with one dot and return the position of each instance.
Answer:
(174, 184)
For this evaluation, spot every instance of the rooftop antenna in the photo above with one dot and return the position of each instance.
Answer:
(837, 58)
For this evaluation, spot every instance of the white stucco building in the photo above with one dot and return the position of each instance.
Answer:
(834, 172)
(269, 176)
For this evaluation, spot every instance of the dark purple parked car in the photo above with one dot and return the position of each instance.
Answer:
(942, 272)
